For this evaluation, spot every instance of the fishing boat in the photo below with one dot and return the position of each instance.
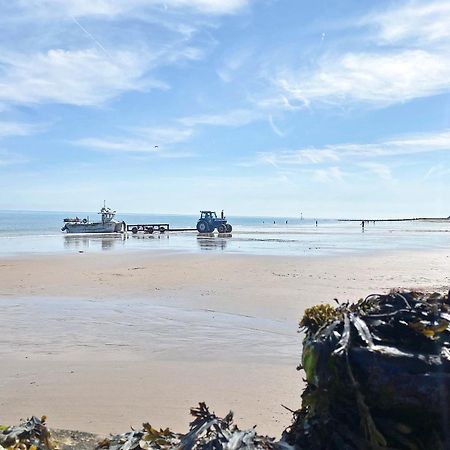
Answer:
(107, 225)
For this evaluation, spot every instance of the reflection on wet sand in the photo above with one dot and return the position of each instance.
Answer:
(77, 242)
(148, 236)
(212, 242)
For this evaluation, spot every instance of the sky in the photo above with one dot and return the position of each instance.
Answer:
(258, 107)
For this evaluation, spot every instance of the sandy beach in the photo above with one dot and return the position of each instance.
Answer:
(101, 343)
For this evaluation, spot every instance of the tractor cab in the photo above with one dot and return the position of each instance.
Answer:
(208, 215)
(209, 221)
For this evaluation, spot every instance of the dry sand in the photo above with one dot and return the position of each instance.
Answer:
(101, 343)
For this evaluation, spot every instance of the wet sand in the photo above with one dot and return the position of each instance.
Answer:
(101, 343)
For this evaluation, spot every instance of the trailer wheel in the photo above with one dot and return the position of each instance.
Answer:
(229, 228)
(222, 228)
(150, 230)
(134, 230)
(162, 230)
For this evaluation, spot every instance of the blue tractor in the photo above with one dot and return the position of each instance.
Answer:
(209, 221)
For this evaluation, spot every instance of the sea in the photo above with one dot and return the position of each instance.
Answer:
(38, 232)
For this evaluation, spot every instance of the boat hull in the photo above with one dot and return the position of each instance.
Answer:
(108, 227)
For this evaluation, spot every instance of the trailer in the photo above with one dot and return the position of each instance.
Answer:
(150, 228)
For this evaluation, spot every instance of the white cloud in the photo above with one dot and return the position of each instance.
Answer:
(79, 77)
(416, 21)
(407, 145)
(141, 140)
(160, 139)
(274, 127)
(378, 79)
(113, 8)
(118, 145)
(7, 158)
(234, 118)
(165, 135)
(10, 128)
(406, 56)
(86, 52)
(233, 63)
(18, 129)
(382, 171)
(437, 171)
(208, 6)
(330, 174)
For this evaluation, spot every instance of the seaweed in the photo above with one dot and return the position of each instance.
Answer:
(207, 432)
(31, 434)
(378, 375)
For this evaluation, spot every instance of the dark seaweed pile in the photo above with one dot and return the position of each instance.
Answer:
(378, 375)
(31, 434)
(207, 432)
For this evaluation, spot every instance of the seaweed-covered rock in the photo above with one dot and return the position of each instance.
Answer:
(378, 375)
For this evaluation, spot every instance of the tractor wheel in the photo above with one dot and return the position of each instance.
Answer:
(149, 230)
(229, 228)
(134, 230)
(222, 228)
(202, 226)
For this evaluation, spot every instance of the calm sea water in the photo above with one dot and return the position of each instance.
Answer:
(24, 232)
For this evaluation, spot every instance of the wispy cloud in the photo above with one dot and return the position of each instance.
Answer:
(329, 174)
(19, 129)
(437, 171)
(159, 140)
(9, 129)
(407, 145)
(82, 52)
(207, 6)
(114, 8)
(233, 118)
(80, 77)
(382, 171)
(141, 140)
(233, 63)
(421, 22)
(274, 127)
(398, 63)
(372, 78)
(8, 158)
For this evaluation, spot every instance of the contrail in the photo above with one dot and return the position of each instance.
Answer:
(92, 37)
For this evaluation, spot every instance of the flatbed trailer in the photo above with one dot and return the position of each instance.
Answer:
(150, 228)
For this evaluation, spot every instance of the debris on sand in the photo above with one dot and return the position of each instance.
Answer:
(31, 434)
(378, 374)
(207, 432)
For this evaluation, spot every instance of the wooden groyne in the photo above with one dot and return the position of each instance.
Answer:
(429, 219)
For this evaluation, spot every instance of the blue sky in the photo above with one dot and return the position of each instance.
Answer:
(259, 107)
